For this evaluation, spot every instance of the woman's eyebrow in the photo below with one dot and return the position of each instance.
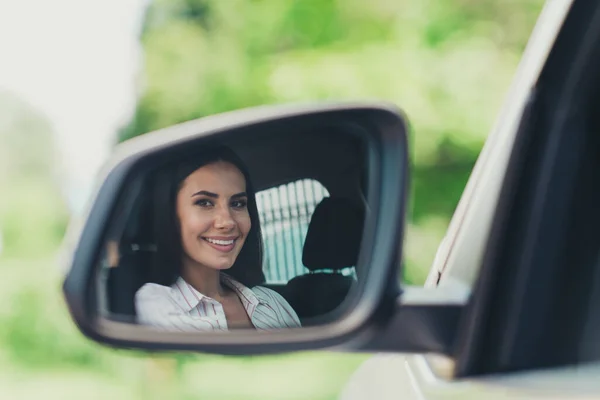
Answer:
(205, 193)
(216, 196)
(238, 195)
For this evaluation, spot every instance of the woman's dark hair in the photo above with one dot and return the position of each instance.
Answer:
(167, 264)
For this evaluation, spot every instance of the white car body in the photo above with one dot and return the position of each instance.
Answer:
(419, 376)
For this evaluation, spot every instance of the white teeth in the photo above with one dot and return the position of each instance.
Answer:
(220, 242)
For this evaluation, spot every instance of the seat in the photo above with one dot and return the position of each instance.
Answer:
(136, 252)
(124, 280)
(332, 244)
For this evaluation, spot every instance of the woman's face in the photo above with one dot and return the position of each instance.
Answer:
(213, 215)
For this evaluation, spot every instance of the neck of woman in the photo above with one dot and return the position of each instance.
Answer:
(205, 280)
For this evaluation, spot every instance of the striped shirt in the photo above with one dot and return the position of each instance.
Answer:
(183, 308)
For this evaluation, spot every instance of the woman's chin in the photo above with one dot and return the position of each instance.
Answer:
(218, 263)
(221, 266)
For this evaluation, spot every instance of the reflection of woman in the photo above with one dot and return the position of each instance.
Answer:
(206, 223)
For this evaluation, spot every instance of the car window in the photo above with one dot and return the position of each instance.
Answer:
(285, 213)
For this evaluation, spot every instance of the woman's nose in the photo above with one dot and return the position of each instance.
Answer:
(224, 219)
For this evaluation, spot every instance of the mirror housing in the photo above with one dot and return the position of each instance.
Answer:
(384, 131)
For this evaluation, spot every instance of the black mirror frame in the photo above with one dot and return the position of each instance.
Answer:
(381, 247)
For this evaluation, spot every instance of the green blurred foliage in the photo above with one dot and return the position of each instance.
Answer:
(47, 340)
(446, 63)
(33, 216)
(26, 145)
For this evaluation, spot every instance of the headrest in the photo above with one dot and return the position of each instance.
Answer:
(334, 235)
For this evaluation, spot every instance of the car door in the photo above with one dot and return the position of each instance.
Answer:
(460, 254)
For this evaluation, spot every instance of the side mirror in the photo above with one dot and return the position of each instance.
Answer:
(168, 255)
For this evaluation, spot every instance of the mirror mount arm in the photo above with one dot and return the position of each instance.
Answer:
(424, 320)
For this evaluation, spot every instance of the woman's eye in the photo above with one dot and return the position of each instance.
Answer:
(239, 204)
(203, 203)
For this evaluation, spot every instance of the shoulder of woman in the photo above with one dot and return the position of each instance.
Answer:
(270, 296)
(152, 304)
(150, 291)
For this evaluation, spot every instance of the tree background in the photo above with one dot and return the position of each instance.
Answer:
(446, 63)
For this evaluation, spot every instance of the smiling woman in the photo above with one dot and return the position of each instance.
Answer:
(206, 222)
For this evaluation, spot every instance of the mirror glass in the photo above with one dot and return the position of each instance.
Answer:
(254, 230)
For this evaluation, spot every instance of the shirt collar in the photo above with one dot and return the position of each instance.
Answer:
(188, 298)
(245, 294)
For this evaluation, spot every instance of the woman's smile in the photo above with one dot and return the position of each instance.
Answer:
(222, 244)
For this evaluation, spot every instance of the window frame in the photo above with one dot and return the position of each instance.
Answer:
(511, 322)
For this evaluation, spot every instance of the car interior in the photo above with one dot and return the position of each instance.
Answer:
(329, 251)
